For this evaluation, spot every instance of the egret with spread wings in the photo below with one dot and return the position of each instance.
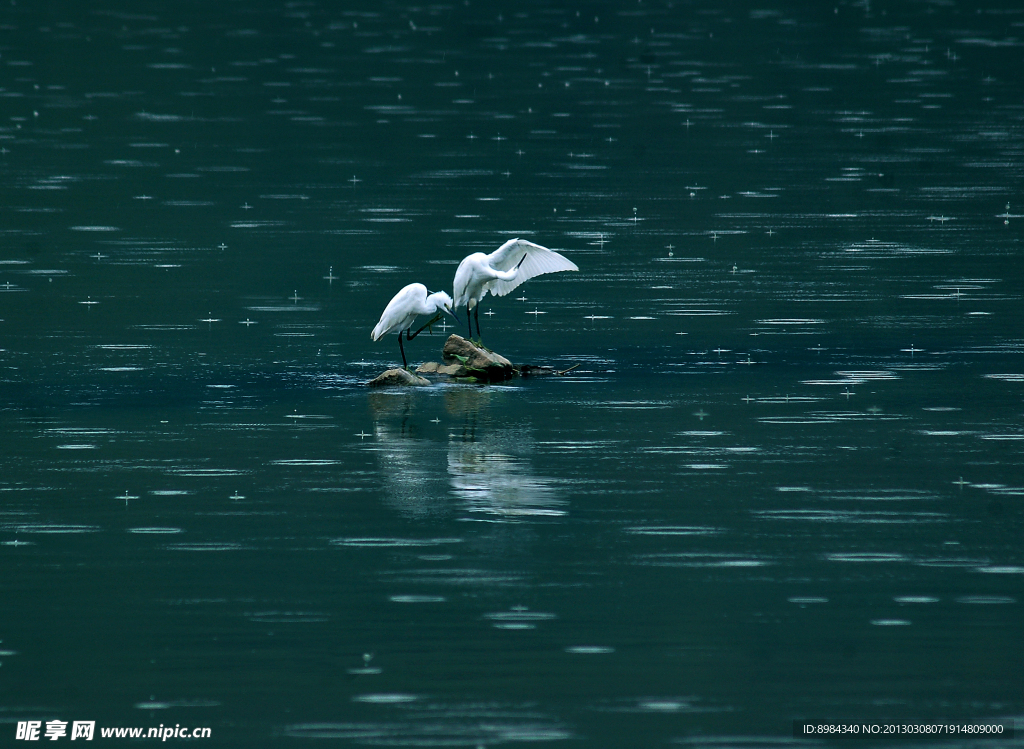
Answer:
(501, 271)
(405, 307)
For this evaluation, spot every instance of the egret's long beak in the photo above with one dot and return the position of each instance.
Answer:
(451, 312)
(521, 261)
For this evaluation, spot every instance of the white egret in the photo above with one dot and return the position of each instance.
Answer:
(402, 310)
(501, 271)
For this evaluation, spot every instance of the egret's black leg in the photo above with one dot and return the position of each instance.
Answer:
(476, 316)
(401, 348)
(434, 319)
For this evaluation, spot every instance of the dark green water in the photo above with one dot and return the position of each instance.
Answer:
(783, 483)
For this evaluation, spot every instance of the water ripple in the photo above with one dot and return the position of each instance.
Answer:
(359, 542)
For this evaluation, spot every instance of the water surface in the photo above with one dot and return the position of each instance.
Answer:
(782, 482)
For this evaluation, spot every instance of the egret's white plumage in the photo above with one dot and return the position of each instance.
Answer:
(503, 270)
(405, 307)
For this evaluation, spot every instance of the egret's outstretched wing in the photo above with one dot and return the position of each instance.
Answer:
(538, 261)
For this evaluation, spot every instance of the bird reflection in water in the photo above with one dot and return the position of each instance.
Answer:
(485, 463)
(409, 458)
(489, 466)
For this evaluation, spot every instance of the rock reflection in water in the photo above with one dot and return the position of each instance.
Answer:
(485, 461)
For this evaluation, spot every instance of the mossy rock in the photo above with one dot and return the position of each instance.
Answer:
(478, 363)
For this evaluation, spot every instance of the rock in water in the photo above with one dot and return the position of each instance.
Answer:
(451, 370)
(396, 376)
(478, 362)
